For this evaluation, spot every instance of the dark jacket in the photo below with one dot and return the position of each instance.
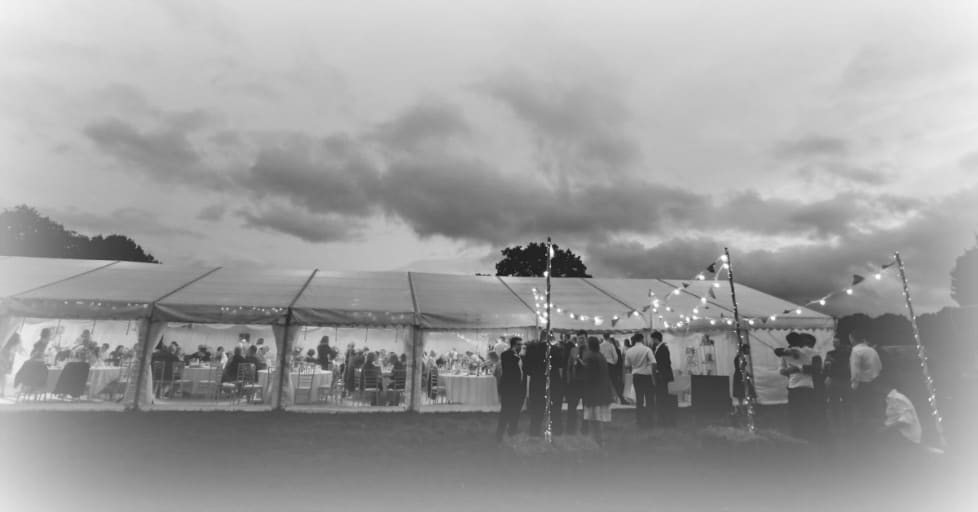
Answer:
(663, 363)
(598, 390)
(511, 382)
(325, 355)
(231, 369)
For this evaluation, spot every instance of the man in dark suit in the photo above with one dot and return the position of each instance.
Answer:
(512, 389)
(664, 410)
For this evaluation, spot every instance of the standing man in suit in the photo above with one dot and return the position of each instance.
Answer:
(665, 415)
(512, 389)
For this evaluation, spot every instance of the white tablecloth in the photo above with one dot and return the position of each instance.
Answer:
(97, 378)
(196, 375)
(470, 389)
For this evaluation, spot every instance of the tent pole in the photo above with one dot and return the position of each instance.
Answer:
(922, 355)
(142, 359)
(284, 360)
(747, 361)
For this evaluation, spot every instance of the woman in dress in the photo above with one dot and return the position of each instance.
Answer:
(598, 391)
(7, 355)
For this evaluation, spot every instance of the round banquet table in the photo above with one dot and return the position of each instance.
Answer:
(98, 378)
(470, 389)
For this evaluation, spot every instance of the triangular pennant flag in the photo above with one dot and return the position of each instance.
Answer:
(614, 321)
(888, 265)
(856, 279)
(713, 295)
(646, 308)
(785, 312)
(712, 268)
(685, 285)
(764, 320)
(721, 315)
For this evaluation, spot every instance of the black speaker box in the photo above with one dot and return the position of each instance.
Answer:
(710, 393)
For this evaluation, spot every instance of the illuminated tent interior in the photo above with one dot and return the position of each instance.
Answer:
(419, 312)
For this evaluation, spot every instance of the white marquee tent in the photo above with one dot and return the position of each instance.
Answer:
(425, 305)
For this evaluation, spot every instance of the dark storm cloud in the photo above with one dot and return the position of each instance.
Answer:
(128, 221)
(585, 127)
(299, 223)
(324, 176)
(811, 147)
(425, 122)
(166, 154)
(213, 213)
(929, 242)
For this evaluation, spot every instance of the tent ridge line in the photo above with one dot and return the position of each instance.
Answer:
(414, 299)
(69, 278)
(303, 289)
(610, 296)
(500, 279)
(192, 281)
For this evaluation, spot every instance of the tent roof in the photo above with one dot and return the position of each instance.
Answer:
(60, 288)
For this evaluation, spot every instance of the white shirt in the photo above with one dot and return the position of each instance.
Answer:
(607, 349)
(900, 410)
(640, 359)
(801, 357)
(500, 347)
(864, 364)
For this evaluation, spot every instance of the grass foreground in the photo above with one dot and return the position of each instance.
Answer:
(292, 461)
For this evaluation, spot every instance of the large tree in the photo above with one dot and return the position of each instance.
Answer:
(531, 261)
(964, 278)
(25, 232)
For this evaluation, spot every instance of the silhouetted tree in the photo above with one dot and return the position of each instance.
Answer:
(25, 232)
(531, 261)
(964, 278)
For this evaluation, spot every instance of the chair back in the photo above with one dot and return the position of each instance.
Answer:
(246, 373)
(371, 378)
(305, 380)
(399, 378)
(433, 377)
(157, 368)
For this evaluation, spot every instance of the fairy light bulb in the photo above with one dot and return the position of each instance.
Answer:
(700, 277)
(713, 322)
(848, 291)
(676, 291)
(723, 258)
(702, 300)
(716, 285)
(878, 276)
(798, 311)
(821, 302)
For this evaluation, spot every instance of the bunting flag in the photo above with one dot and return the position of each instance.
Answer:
(712, 294)
(856, 279)
(888, 265)
(685, 285)
(712, 268)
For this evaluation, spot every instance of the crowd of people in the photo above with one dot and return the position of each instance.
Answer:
(846, 392)
(586, 372)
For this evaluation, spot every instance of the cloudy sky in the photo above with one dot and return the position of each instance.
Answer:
(812, 138)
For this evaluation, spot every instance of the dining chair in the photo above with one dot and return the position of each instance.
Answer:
(304, 385)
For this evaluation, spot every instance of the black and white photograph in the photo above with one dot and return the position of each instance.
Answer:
(453, 255)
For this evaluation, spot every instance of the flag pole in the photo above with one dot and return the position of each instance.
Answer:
(746, 363)
(921, 354)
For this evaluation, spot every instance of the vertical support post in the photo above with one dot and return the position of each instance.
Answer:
(746, 362)
(922, 355)
(144, 354)
(548, 426)
(283, 365)
(414, 399)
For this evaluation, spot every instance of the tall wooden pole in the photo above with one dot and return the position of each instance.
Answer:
(922, 355)
(284, 361)
(746, 365)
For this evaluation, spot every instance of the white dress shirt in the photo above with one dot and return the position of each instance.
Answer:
(864, 364)
(900, 410)
(800, 357)
(640, 359)
(500, 347)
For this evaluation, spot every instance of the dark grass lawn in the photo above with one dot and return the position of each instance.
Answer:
(265, 461)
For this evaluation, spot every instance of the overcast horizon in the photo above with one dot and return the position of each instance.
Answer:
(811, 139)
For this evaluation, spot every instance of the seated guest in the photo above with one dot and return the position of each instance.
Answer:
(396, 363)
(117, 355)
(41, 347)
(220, 357)
(231, 369)
(311, 357)
(201, 354)
(256, 359)
(370, 368)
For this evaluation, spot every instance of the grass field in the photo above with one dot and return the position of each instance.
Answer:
(264, 461)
